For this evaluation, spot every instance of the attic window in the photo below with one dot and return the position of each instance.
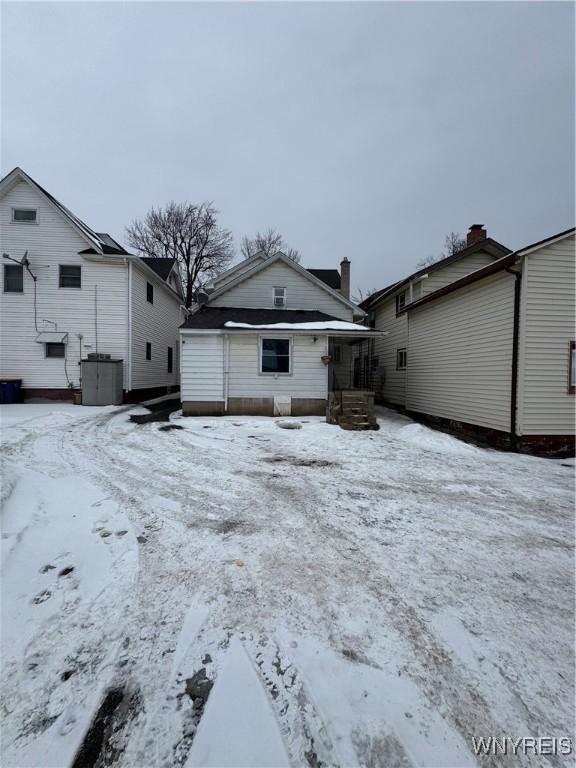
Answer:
(24, 215)
(400, 301)
(279, 297)
(150, 293)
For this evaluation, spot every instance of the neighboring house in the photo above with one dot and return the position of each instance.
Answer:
(494, 353)
(271, 338)
(381, 363)
(69, 292)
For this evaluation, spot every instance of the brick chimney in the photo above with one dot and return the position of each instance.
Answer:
(345, 278)
(476, 233)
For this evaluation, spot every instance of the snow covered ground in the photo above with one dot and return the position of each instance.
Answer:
(226, 592)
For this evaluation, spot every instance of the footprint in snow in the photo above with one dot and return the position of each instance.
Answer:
(41, 597)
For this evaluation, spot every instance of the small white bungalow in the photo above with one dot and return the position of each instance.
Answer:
(272, 338)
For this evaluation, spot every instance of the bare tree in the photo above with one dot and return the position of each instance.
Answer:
(362, 295)
(453, 243)
(188, 233)
(269, 242)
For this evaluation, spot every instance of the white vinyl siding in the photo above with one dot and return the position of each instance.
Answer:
(157, 324)
(547, 328)
(51, 242)
(454, 271)
(390, 383)
(258, 291)
(460, 354)
(202, 367)
(308, 377)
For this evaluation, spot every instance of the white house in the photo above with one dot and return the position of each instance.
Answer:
(69, 292)
(381, 365)
(271, 338)
(493, 354)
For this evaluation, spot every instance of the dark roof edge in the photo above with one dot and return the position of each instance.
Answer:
(490, 269)
(558, 236)
(493, 245)
(479, 274)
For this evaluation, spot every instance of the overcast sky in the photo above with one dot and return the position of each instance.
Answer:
(366, 130)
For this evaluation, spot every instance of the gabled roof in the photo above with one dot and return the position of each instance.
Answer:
(489, 245)
(505, 262)
(162, 267)
(216, 317)
(99, 242)
(261, 265)
(329, 276)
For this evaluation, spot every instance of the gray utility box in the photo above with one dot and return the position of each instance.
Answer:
(102, 380)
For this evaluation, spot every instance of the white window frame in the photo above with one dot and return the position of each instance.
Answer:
(260, 354)
(398, 366)
(282, 295)
(69, 287)
(4, 278)
(400, 295)
(24, 208)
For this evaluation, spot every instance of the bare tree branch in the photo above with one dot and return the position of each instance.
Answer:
(188, 233)
(269, 242)
(453, 243)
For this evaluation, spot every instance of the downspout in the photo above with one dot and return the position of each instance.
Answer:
(515, 353)
(129, 377)
(226, 371)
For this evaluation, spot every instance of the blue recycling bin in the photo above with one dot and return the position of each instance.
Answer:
(10, 391)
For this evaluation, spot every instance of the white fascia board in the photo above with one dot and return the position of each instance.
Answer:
(137, 261)
(290, 263)
(545, 243)
(60, 209)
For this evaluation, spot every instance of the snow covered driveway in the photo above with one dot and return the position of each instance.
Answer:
(378, 597)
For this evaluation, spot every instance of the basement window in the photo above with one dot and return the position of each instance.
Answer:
(148, 351)
(70, 276)
(275, 356)
(13, 278)
(401, 359)
(150, 293)
(54, 349)
(572, 369)
(24, 215)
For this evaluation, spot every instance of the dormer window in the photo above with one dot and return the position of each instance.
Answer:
(279, 297)
(24, 215)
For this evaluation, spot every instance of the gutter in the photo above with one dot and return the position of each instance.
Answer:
(129, 324)
(515, 354)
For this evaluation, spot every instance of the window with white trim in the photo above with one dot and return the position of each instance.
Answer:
(401, 359)
(275, 356)
(400, 301)
(24, 215)
(279, 297)
(70, 276)
(13, 278)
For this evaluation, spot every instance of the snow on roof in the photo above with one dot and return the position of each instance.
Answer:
(331, 325)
